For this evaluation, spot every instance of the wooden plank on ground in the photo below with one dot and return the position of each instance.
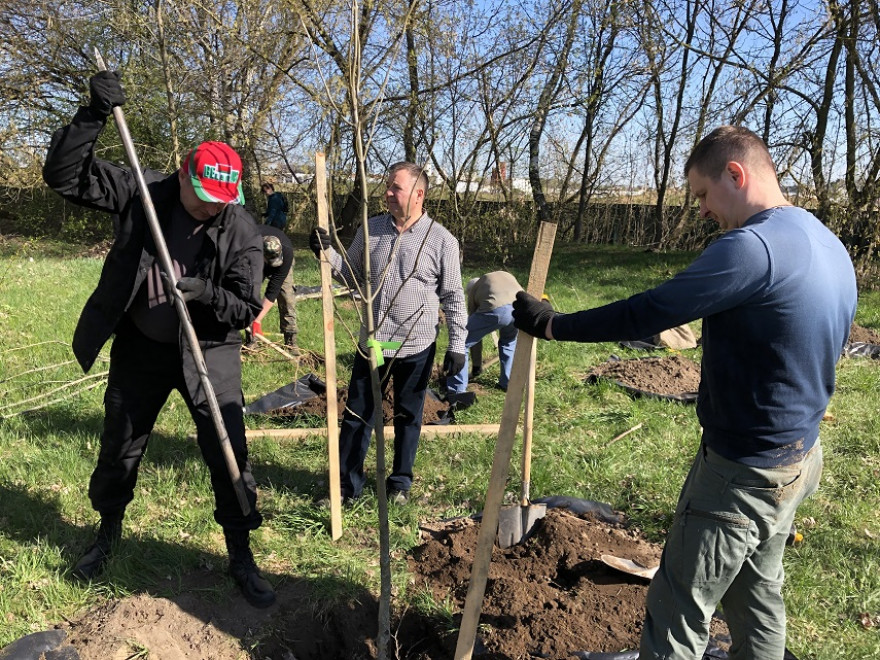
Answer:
(428, 431)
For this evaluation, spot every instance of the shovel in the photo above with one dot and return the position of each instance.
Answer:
(629, 566)
(515, 523)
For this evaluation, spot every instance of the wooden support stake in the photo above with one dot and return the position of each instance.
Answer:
(329, 355)
(503, 449)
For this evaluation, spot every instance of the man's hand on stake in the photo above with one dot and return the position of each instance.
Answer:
(319, 240)
(532, 315)
(452, 363)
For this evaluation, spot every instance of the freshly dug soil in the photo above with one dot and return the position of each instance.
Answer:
(858, 333)
(673, 375)
(546, 597)
(317, 407)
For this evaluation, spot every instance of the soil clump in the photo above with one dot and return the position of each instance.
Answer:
(674, 375)
(864, 335)
(435, 411)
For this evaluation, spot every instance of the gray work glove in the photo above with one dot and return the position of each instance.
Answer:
(106, 92)
(532, 315)
(452, 363)
(196, 288)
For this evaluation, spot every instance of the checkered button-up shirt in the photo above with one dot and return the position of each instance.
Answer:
(411, 274)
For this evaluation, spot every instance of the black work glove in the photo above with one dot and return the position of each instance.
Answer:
(106, 92)
(452, 363)
(532, 315)
(319, 240)
(196, 288)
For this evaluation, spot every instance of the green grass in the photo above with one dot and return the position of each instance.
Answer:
(46, 458)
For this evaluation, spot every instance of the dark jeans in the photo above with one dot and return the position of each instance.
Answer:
(409, 380)
(143, 373)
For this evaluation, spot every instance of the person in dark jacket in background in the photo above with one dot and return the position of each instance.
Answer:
(278, 271)
(777, 295)
(218, 258)
(276, 207)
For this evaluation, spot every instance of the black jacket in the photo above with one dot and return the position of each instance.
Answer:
(276, 274)
(232, 255)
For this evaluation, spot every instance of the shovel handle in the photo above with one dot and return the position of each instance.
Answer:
(528, 425)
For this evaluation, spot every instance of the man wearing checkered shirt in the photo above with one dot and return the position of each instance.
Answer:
(414, 269)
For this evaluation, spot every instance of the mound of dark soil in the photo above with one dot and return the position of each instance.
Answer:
(858, 333)
(674, 375)
(548, 596)
(434, 412)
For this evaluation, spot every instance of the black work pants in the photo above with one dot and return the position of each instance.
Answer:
(409, 380)
(143, 373)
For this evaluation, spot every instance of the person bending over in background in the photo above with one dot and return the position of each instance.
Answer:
(278, 271)
(777, 295)
(216, 251)
(414, 270)
(490, 308)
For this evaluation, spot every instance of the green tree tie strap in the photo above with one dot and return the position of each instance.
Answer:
(378, 346)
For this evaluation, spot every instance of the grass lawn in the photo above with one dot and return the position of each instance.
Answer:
(46, 456)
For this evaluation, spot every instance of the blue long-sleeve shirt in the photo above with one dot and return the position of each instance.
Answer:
(777, 297)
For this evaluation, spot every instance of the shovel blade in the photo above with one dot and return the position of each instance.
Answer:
(629, 566)
(515, 523)
(531, 514)
(509, 526)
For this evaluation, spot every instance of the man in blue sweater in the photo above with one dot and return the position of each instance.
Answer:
(777, 295)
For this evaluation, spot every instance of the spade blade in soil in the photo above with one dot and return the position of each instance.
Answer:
(515, 523)
(630, 567)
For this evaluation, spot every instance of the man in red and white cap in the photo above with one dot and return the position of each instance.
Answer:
(218, 260)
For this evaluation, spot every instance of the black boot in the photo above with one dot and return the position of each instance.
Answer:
(290, 343)
(255, 588)
(92, 563)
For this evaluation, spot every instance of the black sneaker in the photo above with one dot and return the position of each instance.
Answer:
(347, 502)
(398, 497)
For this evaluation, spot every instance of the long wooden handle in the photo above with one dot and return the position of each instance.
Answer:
(179, 304)
(503, 449)
(528, 425)
(329, 355)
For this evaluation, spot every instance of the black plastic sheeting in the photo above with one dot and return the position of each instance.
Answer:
(685, 397)
(862, 349)
(45, 645)
(308, 387)
(581, 507)
(291, 395)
